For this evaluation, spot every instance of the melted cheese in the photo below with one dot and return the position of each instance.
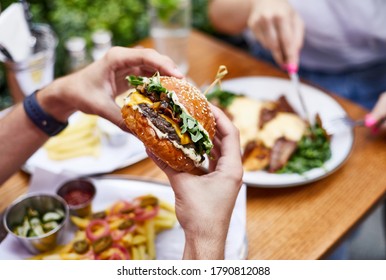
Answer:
(285, 125)
(246, 114)
(185, 139)
(246, 117)
(136, 98)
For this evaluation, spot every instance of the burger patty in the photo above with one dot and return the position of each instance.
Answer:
(159, 122)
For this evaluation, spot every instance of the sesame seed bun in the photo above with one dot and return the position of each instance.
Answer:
(196, 105)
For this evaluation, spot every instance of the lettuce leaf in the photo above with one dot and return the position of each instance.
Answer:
(135, 81)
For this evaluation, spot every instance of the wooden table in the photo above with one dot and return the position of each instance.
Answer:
(304, 222)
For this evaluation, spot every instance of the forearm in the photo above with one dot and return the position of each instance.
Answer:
(229, 16)
(206, 241)
(211, 248)
(21, 137)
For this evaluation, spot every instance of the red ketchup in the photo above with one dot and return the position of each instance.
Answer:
(77, 197)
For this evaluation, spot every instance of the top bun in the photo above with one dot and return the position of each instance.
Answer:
(195, 104)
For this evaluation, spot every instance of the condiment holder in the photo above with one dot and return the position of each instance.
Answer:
(79, 195)
(27, 217)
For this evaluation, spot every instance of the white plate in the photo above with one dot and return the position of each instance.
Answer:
(111, 157)
(266, 88)
(170, 243)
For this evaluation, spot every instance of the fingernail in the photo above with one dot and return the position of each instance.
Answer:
(370, 120)
(371, 123)
(291, 67)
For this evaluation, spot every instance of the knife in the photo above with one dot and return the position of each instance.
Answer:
(292, 70)
(369, 121)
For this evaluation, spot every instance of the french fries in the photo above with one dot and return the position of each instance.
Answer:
(126, 230)
(81, 138)
(150, 238)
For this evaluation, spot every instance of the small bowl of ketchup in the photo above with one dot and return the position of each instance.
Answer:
(79, 195)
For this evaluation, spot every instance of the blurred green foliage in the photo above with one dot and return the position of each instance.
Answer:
(165, 8)
(126, 19)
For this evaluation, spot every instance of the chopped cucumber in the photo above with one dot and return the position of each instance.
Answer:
(51, 216)
(60, 212)
(34, 222)
(50, 226)
(32, 213)
(31, 233)
(23, 229)
(35, 225)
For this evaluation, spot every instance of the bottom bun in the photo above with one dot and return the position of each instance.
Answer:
(161, 148)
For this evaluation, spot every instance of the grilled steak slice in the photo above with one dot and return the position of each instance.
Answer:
(266, 115)
(159, 122)
(284, 106)
(281, 153)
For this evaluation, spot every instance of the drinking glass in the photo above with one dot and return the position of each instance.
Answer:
(37, 70)
(170, 25)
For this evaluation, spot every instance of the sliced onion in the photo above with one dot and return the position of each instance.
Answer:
(123, 250)
(116, 256)
(120, 206)
(146, 214)
(117, 234)
(95, 224)
(115, 252)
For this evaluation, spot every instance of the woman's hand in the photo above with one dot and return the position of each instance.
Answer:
(278, 28)
(379, 111)
(204, 204)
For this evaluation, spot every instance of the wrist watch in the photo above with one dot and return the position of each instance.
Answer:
(40, 118)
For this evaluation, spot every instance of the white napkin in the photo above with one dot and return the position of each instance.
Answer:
(129, 151)
(44, 180)
(15, 35)
(169, 244)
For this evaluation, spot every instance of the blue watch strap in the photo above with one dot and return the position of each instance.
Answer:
(41, 119)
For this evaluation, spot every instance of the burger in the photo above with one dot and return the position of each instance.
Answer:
(172, 118)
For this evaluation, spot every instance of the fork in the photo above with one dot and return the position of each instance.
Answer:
(368, 121)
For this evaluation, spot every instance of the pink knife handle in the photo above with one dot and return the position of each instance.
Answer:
(371, 122)
(291, 68)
